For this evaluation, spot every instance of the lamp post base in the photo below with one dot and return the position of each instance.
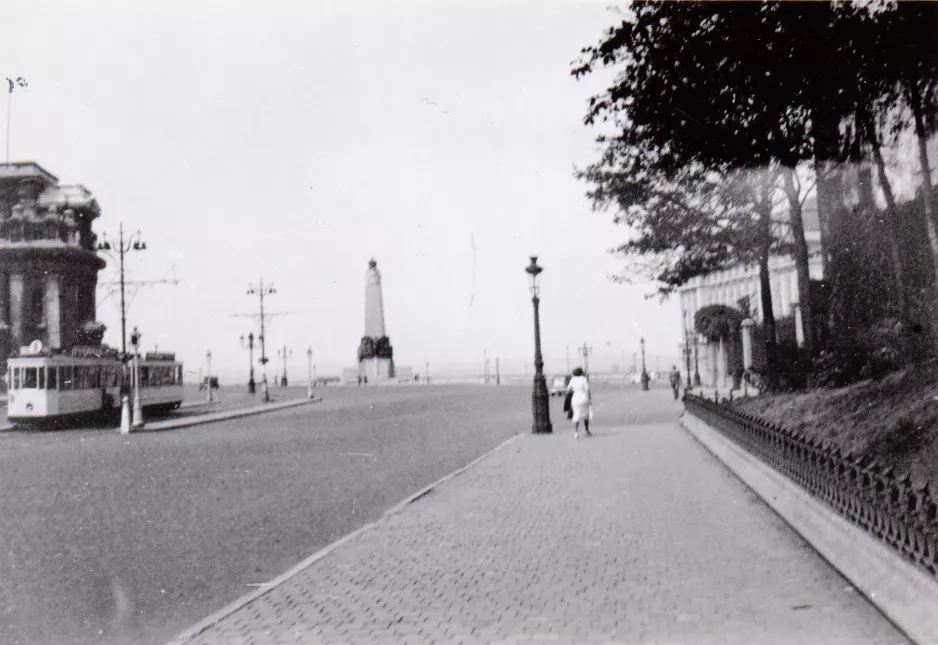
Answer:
(540, 401)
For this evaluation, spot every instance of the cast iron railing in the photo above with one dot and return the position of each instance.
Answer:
(887, 505)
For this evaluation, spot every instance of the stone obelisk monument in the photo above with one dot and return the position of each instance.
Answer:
(375, 354)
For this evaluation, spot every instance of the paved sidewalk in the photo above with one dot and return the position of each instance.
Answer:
(635, 536)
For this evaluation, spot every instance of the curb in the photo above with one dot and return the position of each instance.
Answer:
(214, 417)
(211, 417)
(902, 593)
(229, 609)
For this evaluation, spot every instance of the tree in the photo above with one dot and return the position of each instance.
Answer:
(714, 84)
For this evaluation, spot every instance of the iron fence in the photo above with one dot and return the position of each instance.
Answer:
(888, 505)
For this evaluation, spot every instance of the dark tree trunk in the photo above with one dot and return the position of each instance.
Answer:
(892, 225)
(764, 210)
(915, 104)
(800, 255)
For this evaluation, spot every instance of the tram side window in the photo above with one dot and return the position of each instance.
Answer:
(51, 378)
(17, 377)
(29, 378)
(68, 382)
(179, 375)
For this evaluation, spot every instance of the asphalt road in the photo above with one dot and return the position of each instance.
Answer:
(113, 539)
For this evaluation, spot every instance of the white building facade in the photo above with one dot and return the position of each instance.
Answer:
(727, 287)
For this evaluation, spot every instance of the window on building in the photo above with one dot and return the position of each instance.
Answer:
(68, 382)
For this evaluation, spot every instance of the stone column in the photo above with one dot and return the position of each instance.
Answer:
(17, 288)
(747, 342)
(785, 295)
(712, 363)
(722, 363)
(52, 311)
(799, 330)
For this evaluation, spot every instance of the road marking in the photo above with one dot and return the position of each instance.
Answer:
(357, 454)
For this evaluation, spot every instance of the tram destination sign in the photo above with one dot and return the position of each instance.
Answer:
(92, 351)
(160, 356)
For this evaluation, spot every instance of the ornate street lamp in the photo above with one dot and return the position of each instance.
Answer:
(123, 247)
(690, 375)
(138, 407)
(309, 357)
(696, 364)
(261, 291)
(251, 384)
(285, 355)
(208, 383)
(645, 377)
(540, 399)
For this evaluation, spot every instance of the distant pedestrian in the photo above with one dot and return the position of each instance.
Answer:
(359, 381)
(675, 380)
(581, 402)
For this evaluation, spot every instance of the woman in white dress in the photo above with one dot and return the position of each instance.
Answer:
(580, 402)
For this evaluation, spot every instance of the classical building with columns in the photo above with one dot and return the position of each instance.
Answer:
(48, 264)
(727, 287)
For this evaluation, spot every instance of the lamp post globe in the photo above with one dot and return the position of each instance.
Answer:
(540, 400)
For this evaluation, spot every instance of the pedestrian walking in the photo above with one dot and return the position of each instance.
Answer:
(675, 380)
(580, 402)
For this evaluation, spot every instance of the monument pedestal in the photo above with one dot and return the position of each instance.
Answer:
(378, 369)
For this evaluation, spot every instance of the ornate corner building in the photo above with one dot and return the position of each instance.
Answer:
(48, 264)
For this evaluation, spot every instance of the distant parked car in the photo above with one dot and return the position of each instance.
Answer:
(558, 386)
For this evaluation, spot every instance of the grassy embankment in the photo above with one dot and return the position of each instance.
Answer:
(894, 419)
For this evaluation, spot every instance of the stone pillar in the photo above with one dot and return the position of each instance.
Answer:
(722, 363)
(785, 298)
(799, 330)
(17, 288)
(712, 363)
(51, 311)
(747, 342)
(4, 298)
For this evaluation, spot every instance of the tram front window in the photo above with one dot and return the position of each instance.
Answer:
(29, 378)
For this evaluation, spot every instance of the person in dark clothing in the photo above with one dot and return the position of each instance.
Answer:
(675, 381)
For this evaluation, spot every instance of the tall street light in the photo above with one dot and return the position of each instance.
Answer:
(208, 384)
(138, 407)
(309, 357)
(251, 384)
(539, 398)
(133, 243)
(284, 354)
(645, 377)
(696, 364)
(261, 291)
(690, 375)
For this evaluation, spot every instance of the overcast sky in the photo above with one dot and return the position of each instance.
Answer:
(293, 141)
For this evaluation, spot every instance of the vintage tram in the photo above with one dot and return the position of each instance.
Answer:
(63, 387)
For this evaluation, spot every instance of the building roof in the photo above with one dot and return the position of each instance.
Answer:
(26, 170)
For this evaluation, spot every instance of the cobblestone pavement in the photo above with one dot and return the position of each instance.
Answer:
(636, 535)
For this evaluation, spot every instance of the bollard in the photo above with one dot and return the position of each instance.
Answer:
(125, 414)
(137, 416)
